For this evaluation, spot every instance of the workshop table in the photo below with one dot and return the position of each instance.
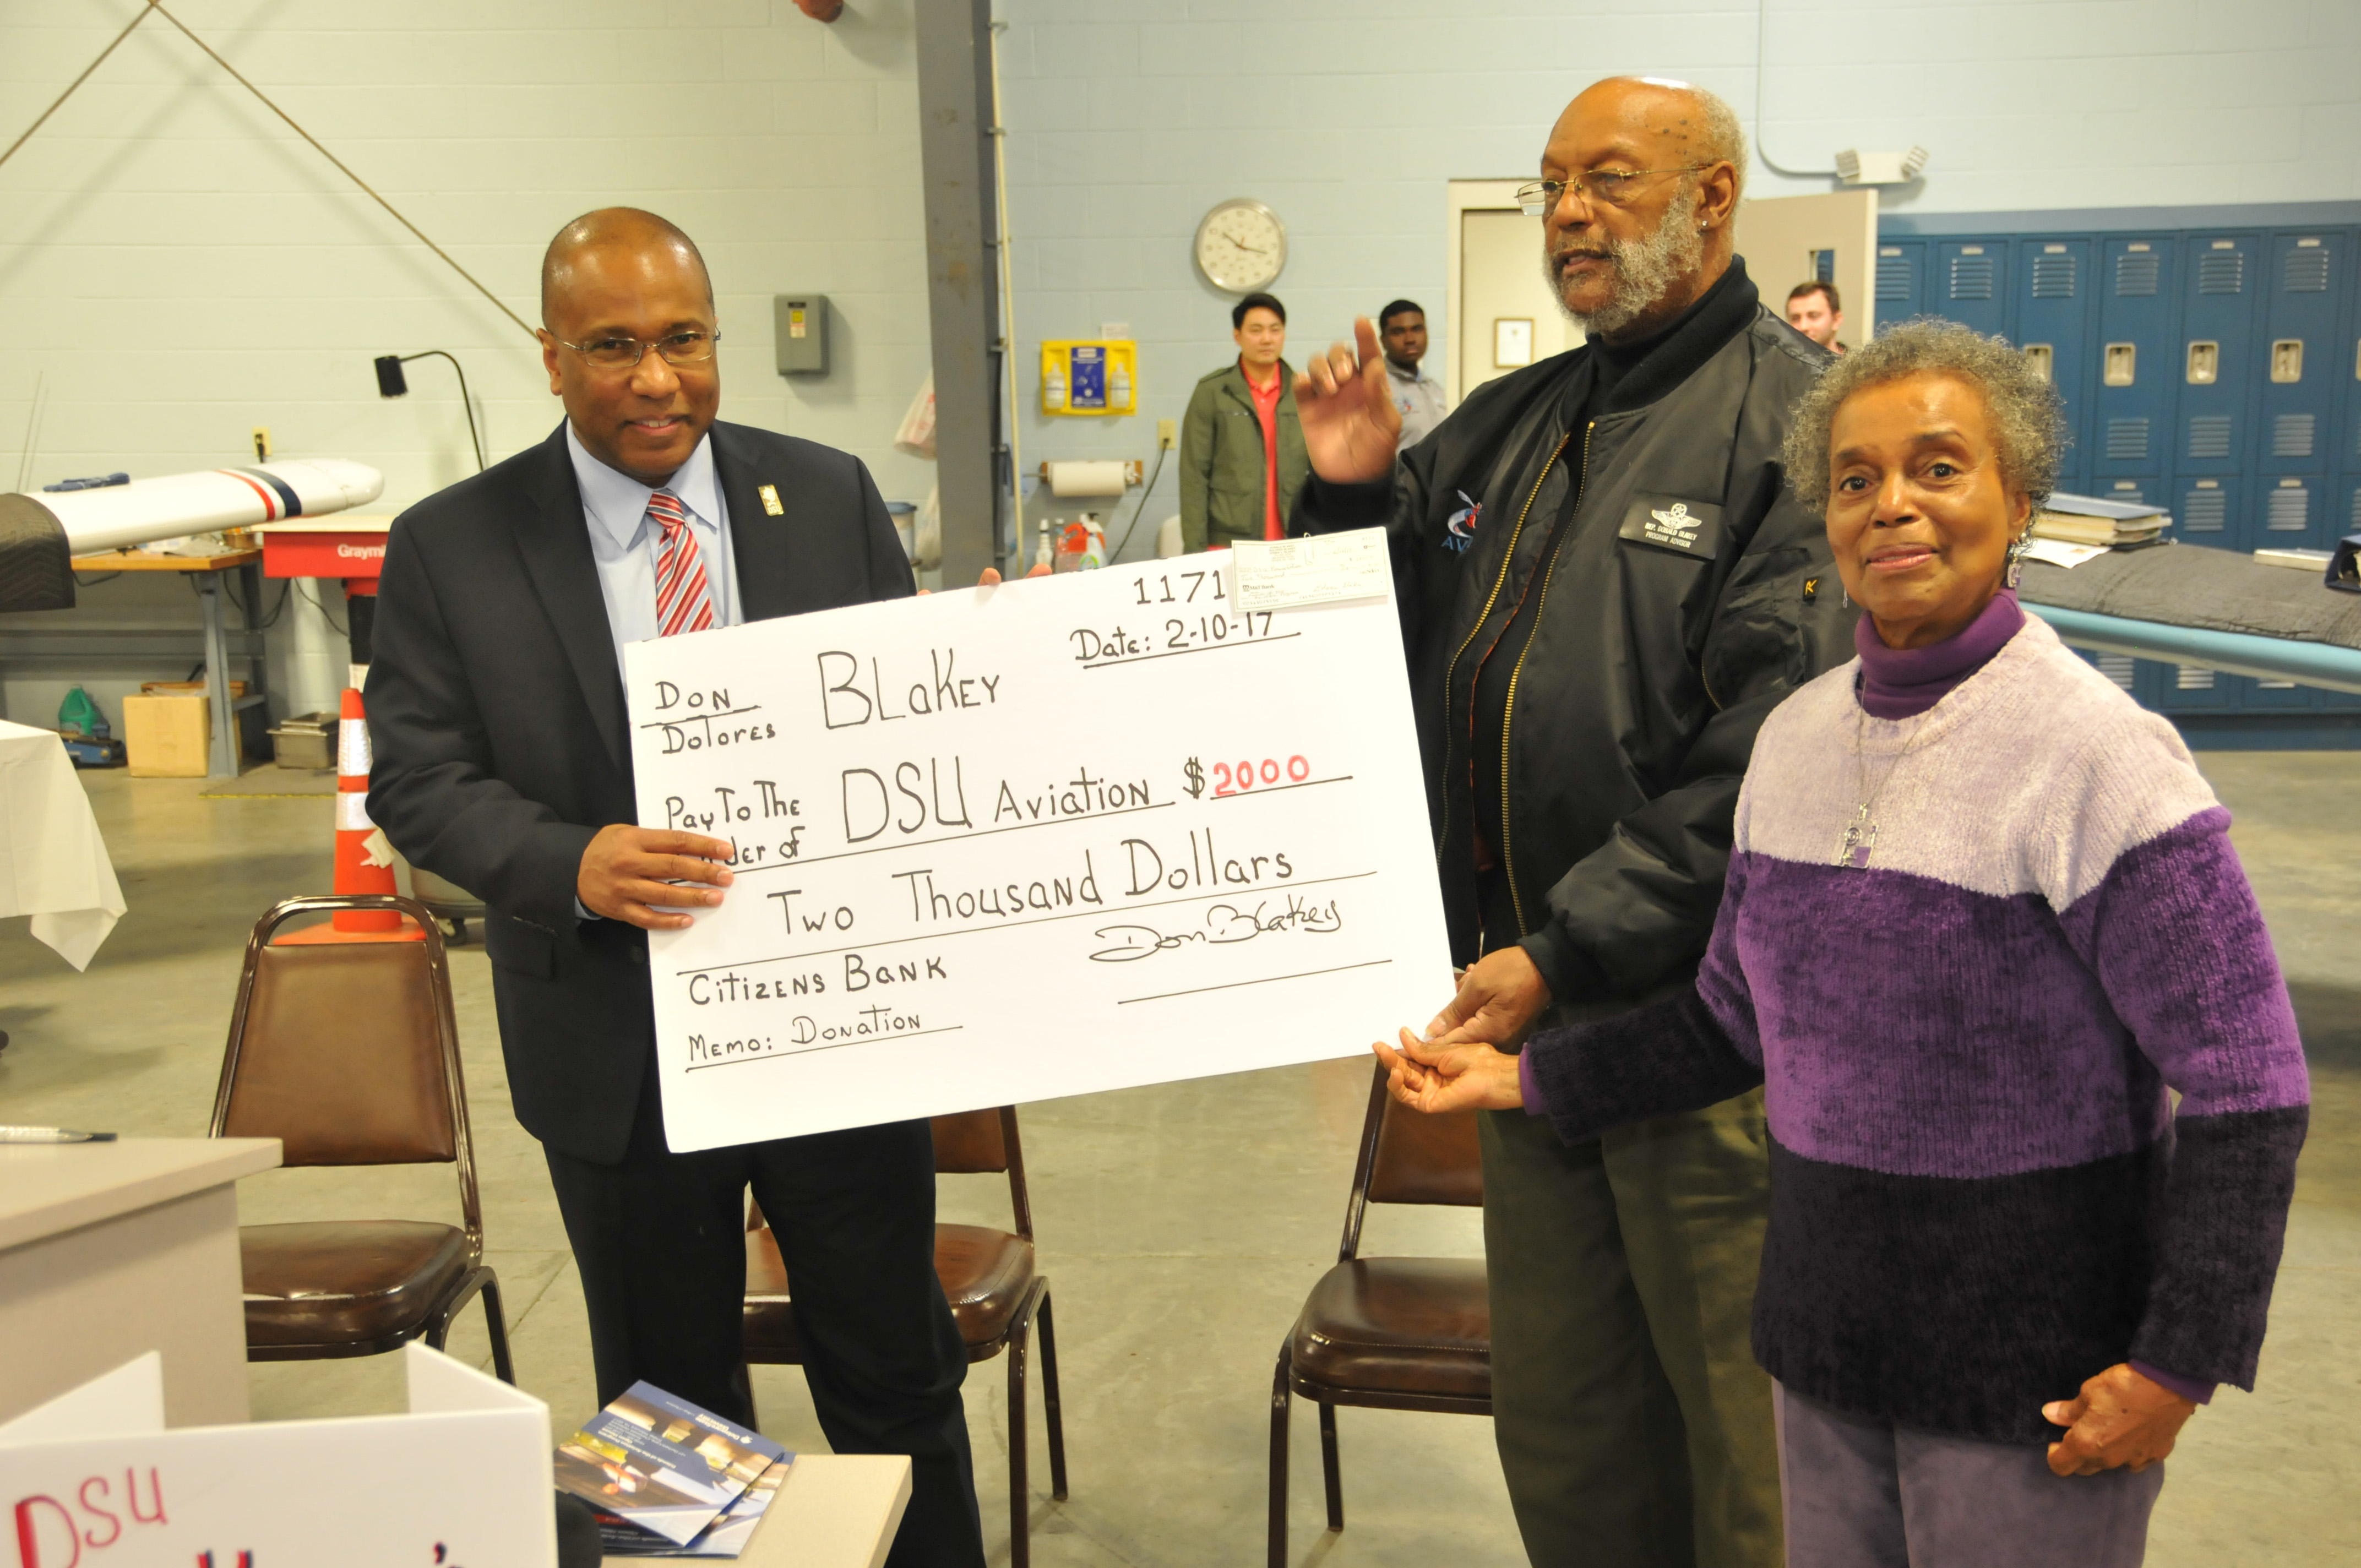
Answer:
(53, 864)
(223, 756)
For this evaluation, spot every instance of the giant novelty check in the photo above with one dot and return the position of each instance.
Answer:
(1005, 844)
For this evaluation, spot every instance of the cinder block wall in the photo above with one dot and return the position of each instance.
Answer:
(180, 268)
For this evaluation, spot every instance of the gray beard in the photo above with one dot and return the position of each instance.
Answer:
(1645, 269)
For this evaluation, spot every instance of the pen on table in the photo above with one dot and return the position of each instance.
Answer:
(52, 1136)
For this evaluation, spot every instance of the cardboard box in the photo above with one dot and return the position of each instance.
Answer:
(166, 737)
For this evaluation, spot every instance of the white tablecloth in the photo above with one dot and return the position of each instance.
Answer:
(53, 864)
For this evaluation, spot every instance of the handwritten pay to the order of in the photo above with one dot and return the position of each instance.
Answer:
(1068, 834)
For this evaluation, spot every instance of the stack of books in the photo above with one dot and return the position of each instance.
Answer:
(671, 1479)
(2095, 521)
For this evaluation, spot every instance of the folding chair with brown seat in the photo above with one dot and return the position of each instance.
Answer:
(1391, 1334)
(987, 1274)
(349, 1054)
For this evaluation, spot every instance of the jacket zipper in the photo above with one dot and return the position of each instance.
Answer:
(1509, 704)
(1450, 672)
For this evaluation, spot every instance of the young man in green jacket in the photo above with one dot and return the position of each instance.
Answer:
(1242, 457)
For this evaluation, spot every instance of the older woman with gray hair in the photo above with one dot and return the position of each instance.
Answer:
(1981, 913)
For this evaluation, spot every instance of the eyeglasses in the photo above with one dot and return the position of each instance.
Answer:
(1612, 186)
(624, 353)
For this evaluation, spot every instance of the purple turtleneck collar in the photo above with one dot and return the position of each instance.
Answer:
(1902, 683)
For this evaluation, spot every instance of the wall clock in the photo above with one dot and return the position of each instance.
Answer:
(1241, 246)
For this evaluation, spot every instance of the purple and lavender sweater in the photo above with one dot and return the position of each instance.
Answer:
(1981, 1195)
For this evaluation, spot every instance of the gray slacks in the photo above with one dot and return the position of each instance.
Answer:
(1633, 1425)
(1862, 1493)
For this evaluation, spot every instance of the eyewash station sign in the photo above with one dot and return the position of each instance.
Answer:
(1064, 835)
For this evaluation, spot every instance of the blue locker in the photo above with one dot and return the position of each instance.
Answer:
(1970, 283)
(2212, 368)
(2185, 689)
(2296, 412)
(1900, 282)
(2133, 369)
(2250, 695)
(2055, 290)
(2289, 512)
(2203, 510)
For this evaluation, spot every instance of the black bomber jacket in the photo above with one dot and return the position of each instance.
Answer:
(1688, 596)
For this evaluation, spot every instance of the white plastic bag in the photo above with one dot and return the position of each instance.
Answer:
(917, 435)
(927, 536)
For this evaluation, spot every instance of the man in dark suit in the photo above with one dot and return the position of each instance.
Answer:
(504, 763)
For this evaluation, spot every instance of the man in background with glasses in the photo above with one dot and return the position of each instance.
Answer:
(504, 763)
(1605, 586)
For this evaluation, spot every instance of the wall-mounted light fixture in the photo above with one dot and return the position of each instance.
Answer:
(392, 383)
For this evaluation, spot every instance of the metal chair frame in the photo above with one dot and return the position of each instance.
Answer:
(1287, 1381)
(434, 1324)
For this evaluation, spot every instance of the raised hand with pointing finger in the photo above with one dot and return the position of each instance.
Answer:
(1351, 427)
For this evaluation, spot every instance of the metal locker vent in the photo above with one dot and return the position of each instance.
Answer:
(1893, 277)
(2291, 435)
(2268, 686)
(2127, 439)
(2288, 509)
(2356, 521)
(1971, 276)
(2137, 273)
(2204, 512)
(2118, 668)
(2191, 679)
(2053, 276)
(2209, 435)
(2223, 272)
(2305, 271)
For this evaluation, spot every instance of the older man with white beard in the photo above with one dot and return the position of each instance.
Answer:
(1606, 584)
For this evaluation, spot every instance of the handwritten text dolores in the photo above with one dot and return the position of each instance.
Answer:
(804, 1032)
(50, 1533)
(703, 721)
(845, 701)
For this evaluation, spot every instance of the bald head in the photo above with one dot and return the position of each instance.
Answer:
(1681, 118)
(614, 242)
(1648, 173)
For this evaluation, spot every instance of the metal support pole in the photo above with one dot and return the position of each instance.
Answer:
(954, 61)
(222, 755)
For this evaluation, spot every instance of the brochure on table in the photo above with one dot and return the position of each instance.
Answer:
(1186, 809)
(93, 1479)
(654, 1463)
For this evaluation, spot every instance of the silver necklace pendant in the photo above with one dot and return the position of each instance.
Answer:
(1860, 838)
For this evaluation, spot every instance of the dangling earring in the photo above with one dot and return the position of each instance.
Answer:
(1845, 594)
(2016, 549)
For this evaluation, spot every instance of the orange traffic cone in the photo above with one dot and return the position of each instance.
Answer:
(363, 858)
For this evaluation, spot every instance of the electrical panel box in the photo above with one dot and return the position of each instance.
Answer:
(799, 327)
(1096, 376)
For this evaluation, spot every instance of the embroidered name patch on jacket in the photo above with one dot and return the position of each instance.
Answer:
(1691, 528)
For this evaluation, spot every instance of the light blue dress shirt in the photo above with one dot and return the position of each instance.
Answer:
(626, 545)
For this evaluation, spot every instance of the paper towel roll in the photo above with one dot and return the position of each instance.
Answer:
(1087, 478)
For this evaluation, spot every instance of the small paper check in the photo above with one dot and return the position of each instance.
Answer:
(1281, 573)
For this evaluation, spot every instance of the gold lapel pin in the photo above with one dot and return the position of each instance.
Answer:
(770, 494)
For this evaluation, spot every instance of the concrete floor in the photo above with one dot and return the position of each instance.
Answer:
(1180, 1226)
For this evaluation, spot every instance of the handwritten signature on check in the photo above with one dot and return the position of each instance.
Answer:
(1225, 924)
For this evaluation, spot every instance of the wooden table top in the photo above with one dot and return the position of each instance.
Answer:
(151, 561)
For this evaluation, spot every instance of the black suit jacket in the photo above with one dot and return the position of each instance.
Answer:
(496, 711)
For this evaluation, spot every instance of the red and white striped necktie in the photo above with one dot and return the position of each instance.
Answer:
(683, 603)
